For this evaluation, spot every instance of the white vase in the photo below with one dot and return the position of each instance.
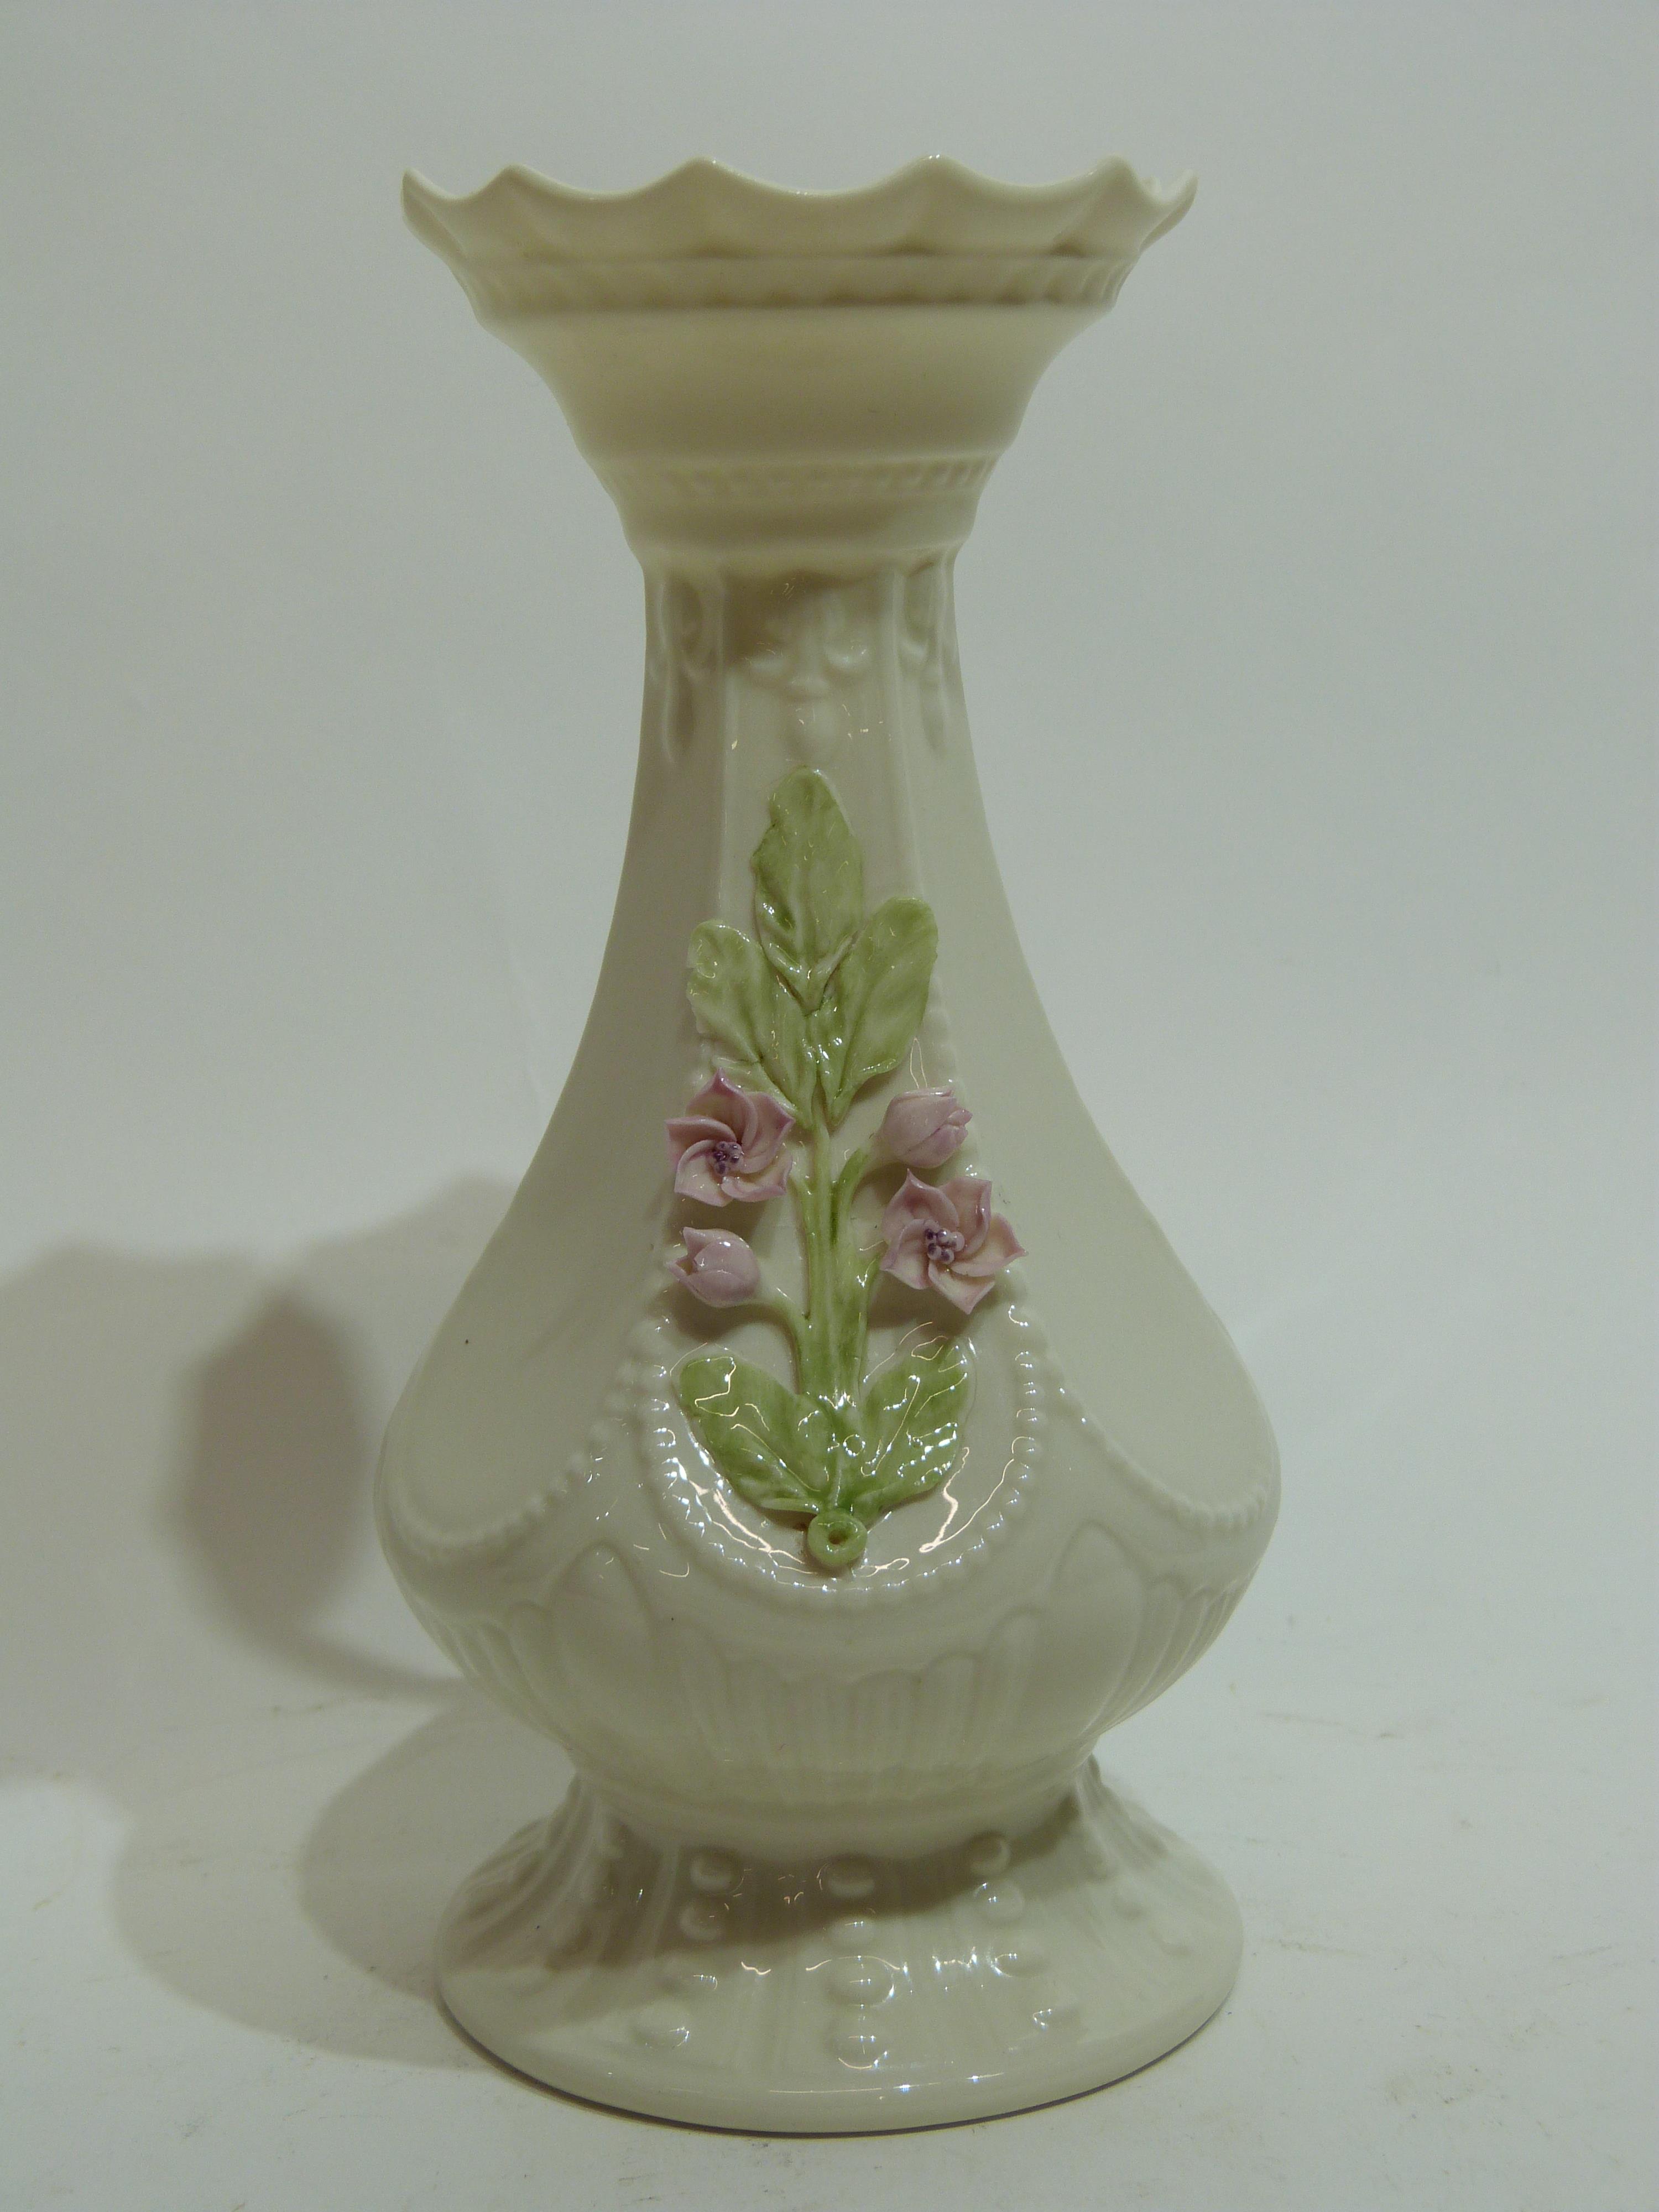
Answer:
(828, 1591)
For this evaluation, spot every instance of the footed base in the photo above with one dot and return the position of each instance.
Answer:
(857, 1995)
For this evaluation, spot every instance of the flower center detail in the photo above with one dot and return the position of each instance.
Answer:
(942, 1244)
(727, 1157)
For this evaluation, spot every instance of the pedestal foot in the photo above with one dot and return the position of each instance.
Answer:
(856, 1994)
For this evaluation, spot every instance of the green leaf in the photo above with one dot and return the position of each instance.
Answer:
(786, 1053)
(913, 1412)
(730, 987)
(760, 1435)
(875, 1005)
(742, 1005)
(809, 884)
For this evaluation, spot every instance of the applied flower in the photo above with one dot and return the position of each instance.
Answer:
(716, 1266)
(945, 1235)
(923, 1128)
(729, 1144)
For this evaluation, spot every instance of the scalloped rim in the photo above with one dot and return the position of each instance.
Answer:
(705, 211)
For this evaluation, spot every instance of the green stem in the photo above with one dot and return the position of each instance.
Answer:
(825, 1303)
(814, 1200)
(854, 1169)
(781, 1309)
(834, 1338)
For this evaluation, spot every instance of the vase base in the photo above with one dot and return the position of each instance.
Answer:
(854, 1995)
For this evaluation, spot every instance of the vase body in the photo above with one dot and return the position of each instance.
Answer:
(837, 1856)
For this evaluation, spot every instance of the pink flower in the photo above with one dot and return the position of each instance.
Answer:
(716, 1266)
(945, 1234)
(922, 1128)
(730, 1144)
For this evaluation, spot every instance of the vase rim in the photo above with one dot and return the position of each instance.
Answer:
(768, 379)
(704, 210)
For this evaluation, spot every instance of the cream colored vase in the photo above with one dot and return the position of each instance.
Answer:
(828, 1446)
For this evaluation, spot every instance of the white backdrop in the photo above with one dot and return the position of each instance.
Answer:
(1306, 632)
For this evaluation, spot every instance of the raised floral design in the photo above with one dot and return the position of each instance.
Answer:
(716, 1266)
(729, 1144)
(945, 1235)
(923, 1128)
(823, 1001)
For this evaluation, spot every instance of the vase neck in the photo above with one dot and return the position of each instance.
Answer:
(758, 676)
(758, 517)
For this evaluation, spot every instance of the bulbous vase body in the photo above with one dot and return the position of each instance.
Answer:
(828, 1446)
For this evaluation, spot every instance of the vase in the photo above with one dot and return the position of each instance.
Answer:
(828, 1446)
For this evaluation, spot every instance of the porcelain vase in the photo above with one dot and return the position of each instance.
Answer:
(828, 1446)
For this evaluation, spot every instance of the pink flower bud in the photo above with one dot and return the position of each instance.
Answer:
(716, 1266)
(923, 1128)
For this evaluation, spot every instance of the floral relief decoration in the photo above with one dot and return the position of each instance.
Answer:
(823, 1001)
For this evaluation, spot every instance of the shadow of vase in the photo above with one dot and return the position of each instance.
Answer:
(203, 1632)
(270, 1506)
